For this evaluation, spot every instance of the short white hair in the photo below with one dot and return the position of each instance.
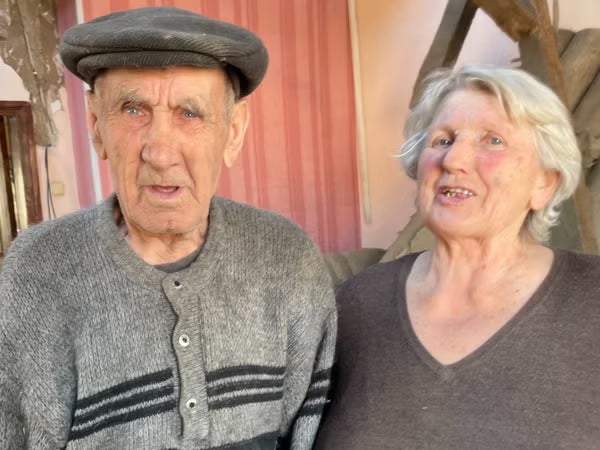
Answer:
(527, 102)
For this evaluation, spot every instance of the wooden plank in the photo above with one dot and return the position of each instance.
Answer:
(448, 40)
(361, 134)
(586, 119)
(516, 18)
(563, 39)
(4, 20)
(580, 64)
(552, 64)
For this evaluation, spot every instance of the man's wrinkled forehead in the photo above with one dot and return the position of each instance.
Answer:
(191, 87)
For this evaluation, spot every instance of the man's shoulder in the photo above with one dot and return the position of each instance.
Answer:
(259, 222)
(63, 234)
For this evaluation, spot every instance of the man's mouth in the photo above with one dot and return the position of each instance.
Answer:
(164, 189)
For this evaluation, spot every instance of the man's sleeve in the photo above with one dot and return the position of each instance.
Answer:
(36, 382)
(309, 415)
(12, 424)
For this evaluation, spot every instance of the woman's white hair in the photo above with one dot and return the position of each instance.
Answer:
(527, 102)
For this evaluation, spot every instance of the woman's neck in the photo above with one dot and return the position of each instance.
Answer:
(473, 274)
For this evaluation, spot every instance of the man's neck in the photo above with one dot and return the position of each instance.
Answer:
(161, 248)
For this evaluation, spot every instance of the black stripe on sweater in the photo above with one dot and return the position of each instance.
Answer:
(243, 385)
(236, 371)
(123, 418)
(313, 409)
(321, 375)
(265, 441)
(244, 400)
(315, 401)
(144, 380)
(317, 392)
(133, 399)
(123, 403)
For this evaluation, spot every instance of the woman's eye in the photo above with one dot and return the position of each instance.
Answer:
(190, 114)
(441, 142)
(495, 141)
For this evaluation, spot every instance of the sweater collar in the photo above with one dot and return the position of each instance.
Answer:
(115, 245)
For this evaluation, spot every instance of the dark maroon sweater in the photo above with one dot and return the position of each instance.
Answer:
(535, 384)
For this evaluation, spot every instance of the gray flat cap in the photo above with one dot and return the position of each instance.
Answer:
(160, 37)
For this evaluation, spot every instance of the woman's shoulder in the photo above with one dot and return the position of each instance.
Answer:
(580, 265)
(381, 278)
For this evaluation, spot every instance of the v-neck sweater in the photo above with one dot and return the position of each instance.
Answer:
(99, 350)
(535, 384)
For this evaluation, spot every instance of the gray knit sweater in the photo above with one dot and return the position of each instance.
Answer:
(99, 350)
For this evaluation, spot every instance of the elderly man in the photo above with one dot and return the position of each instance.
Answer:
(164, 318)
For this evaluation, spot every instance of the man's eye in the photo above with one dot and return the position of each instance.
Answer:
(132, 110)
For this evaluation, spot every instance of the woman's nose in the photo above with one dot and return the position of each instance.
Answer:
(458, 156)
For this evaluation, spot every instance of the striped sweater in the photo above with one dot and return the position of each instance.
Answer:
(99, 350)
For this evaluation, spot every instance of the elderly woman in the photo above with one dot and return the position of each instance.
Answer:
(490, 340)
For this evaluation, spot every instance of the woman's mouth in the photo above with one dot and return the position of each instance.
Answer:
(458, 193)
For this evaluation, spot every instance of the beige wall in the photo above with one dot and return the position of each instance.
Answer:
(60, 158)
(394, 37)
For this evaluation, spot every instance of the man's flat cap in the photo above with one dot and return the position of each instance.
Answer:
(160, 37)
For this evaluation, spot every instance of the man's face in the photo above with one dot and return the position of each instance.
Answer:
(165, 133)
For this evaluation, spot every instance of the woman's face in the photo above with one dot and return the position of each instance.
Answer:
(479, 174)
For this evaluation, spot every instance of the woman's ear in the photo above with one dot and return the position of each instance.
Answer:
(93, 124)
(240, 117)
(544, 188)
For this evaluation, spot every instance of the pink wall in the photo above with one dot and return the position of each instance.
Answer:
(299, 156)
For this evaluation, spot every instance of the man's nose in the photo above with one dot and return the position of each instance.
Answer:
(160, 142)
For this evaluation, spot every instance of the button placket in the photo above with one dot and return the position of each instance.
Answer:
(193, 405)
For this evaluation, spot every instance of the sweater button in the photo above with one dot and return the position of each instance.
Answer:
(177, 284)
(191, 403)
(184, 340)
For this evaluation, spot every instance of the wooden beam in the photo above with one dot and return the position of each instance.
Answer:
(580, 64)
(586, 119)
(552, 65)
(563, 39)
(514, 17)
(448, 40)
(4, 20)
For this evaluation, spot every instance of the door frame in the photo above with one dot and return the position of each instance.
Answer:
(22, 112)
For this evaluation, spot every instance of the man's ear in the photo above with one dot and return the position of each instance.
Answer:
(544, 188)
(93, 125)
(240, 117)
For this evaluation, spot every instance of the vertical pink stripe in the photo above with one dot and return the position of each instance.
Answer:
(243, 164)
(66, 17)
(325, 109)
(257, 106)
(316, 122)
(290, 108)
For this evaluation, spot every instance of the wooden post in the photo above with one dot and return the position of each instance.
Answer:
(551, 59)
(514, 17)
(448, 40)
